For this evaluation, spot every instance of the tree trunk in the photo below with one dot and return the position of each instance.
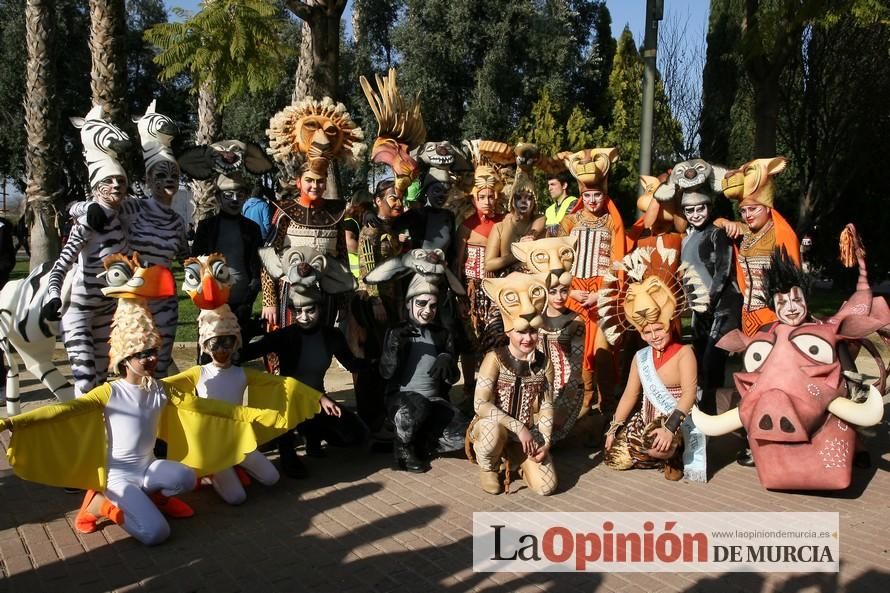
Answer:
(304, 82)
(766, 113)
(207, 132)
(108, 78)
(41, 127)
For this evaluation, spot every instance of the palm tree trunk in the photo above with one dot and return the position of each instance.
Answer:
(41, 127)
(208, 131)
(108, 78)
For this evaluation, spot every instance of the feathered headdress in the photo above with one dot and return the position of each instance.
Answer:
(651, 292)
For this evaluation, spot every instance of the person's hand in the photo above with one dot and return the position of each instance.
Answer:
(732, 230)
(662, 440)
(441, 367)
(329, 406)
(404, 237)
(5, 424)
(96, 218)
(529, 446)
(579, 295)
(379, 310)
(268, 315)
(526, 238)
(51, 308)
(407, 331)
(590, 301)
(541, 454)
(610, 440)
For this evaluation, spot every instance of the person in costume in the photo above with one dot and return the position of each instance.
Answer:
(514, 392)
(558, 186)
(596, 227)
(764, 229)
(152, 226)
(239, 240)
(469, 266)
(378, 306)
(658, 435)
(419, 363)
(304, 138)
(86, 319)
(306, 349)
(103, 441)
(520, 224)
(709, 251)
(561, 336)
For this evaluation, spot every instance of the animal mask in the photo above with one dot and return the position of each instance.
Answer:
(399, 129)
(521, 299)
(156, 133)
(207, 280)
(224, 158)
(652, 293)
(553, 256)
(310, 273)
(794, 402)
(103, 145)
(133, 329)
(315, 131)
(753, 181)
(591, 167)
(428, 267)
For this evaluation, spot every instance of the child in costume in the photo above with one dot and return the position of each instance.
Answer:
(659, 434)
(103, 441)
(86, 320)
(596, 227)
(514, 392)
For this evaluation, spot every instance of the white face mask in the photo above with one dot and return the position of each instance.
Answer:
(308, 316)
(423, 308)
(696, 215)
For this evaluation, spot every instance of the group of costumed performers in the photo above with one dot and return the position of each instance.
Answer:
(103, 441)
(468, 281)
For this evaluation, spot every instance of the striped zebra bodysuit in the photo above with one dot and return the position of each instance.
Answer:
(158, 234)
(86, 323)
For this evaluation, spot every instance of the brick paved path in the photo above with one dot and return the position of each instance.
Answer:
(356, 525)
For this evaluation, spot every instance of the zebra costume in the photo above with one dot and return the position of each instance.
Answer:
(86, 322)
(154, 230)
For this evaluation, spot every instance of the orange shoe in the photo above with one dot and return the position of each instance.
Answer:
(171, 506)
(85, 522)
(243, 477)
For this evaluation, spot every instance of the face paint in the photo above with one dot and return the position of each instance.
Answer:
(696, 215)
(231, 201)
(523, 203)
(524, 342)
(755, 216)
(163, 181)
(390, 206)
(111, 191)
(436, 194)
(791, 306)
(557, 297)
(423, 308)
(594, 201)
(307, 316)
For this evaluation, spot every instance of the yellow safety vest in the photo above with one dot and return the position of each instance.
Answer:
(554, 215)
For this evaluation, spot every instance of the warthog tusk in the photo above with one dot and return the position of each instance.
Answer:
(867, 413)
(714, 426)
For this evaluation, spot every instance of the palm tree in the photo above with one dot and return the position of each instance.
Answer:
(108, 78)
(318, 68)
(230, 47)
(41, 126)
